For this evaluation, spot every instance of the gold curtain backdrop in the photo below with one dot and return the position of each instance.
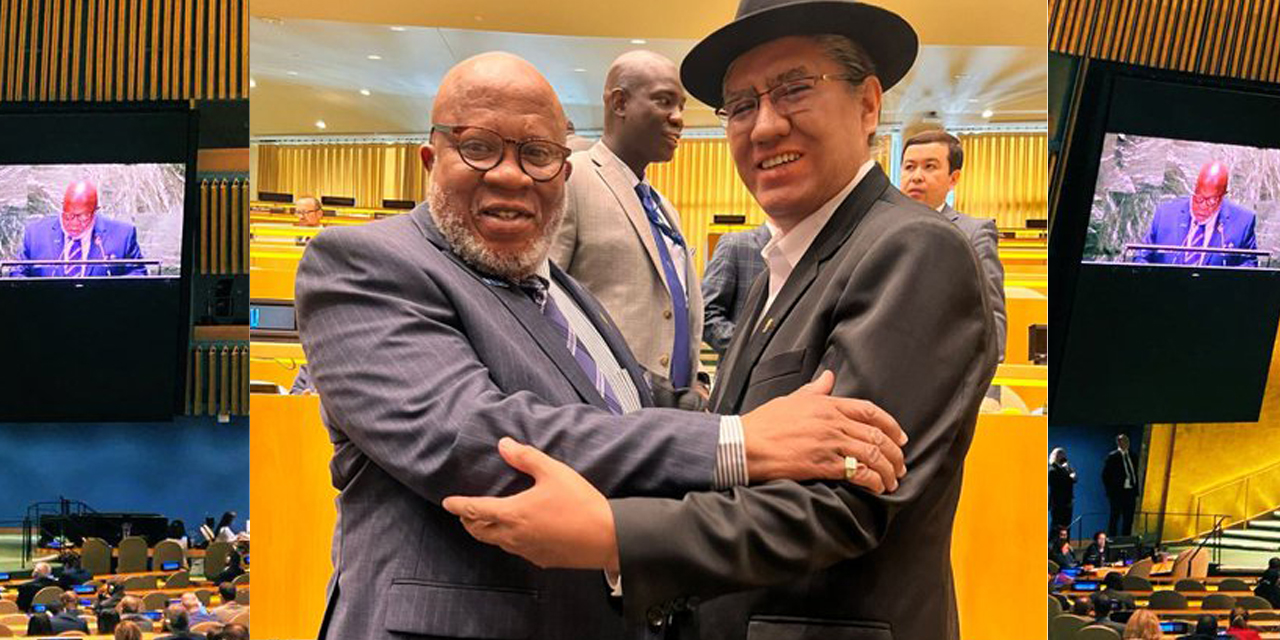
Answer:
(1005, 178)
(369, 173)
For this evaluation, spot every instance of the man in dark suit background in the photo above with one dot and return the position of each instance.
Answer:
(80, 234)
(1204, 219)
(68, 615)
(436, 335)
(931, 163)
(734, 265)
(1120, 479)
(862, 281)
(41, 577)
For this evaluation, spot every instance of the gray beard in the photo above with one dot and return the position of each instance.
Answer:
(451, 220)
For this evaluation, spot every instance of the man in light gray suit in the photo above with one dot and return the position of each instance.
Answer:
(433, 336)
(931, 163)
(620, 238)
(861, 280)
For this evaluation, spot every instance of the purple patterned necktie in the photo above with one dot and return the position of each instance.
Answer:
(536, 288)
(1197, 240)
(73, 255)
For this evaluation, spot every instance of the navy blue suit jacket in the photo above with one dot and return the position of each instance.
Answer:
(112, 240)
(1172, 221)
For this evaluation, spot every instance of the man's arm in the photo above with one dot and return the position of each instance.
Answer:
(986, 246)
(913, 340)
(719, 289)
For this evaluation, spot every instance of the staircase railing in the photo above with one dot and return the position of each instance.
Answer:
(1245, 497)
(31, 523)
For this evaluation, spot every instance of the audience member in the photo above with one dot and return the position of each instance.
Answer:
(1060, 551)
(108, 621)
(196, 612)
(1240, 628)
(1269, 584)
(234, 632)
(39, 624)
(224, 532)
(131, 611)
(230, 608)
(1062, 488)
(109, 596)
(178, 533)
(128, 631)
(1143, 625)
(178, 624)
(1098, 553)
(41, 577)
(232, 571)
(1103, 605)
(1081, 607)
(67, 617)
(73, 574)
(1114, 587)
(308, 211)
(1206, 628)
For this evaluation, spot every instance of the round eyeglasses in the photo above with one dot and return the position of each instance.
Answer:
(482, 150)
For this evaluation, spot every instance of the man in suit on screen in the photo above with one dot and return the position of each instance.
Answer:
(861, 280)
(433, 336)
(80, 234)
(1204, 219)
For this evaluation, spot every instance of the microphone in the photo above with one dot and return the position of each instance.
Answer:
(102, 253)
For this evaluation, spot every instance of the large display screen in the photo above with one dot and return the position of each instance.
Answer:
(91, 220)
(1184, 203)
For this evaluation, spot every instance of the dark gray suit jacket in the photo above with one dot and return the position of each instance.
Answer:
(422, 365)
(734, 265)
(890, 297)
(982, 234)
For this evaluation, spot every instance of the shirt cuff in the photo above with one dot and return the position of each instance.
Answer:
(614, 582)
(731, 455)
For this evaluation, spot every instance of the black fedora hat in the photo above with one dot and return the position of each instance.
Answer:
(885, 36)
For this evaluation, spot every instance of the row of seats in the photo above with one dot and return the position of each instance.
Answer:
(133, 552)
(152, 601)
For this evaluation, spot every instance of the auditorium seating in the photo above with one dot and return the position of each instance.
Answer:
(1097, 632)
(1065, 626)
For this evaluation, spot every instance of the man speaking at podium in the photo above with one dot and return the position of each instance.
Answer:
(1206, 219)
(77, 235)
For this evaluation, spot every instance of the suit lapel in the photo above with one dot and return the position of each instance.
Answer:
(827, 242)
(548, 338)
(619, 185)
(607, 330)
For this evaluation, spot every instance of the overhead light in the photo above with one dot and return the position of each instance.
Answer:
(252, 83)
(988, 113)
(973, 101)
(320, 124)
(293, 73)
(397, 28)
(364, 92)
(580, 70)
(639, 41)
(374, 56)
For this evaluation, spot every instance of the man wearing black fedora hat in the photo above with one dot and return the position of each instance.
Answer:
(861, 280)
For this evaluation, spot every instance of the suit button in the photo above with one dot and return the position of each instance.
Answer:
(666, 313)
(664, 360)
(656, 617)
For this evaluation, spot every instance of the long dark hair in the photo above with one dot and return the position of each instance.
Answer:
(39, 624)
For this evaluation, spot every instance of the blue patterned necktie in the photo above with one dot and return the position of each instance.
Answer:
(536, 288)
(1197, 240)
(74, 255)
(680, 365)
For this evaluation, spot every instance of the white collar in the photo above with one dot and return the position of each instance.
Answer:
(793, 244)
(619, 164)
(942, 206)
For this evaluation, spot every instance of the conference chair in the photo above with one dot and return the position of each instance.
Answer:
(1065, 626)
(8, 606)
(1134, 583)
(242, 596)
(1191, 563)
(1253, 602)
(1140, 569)
(205, 596)
(1097, 632)
(15, 621)
(1233, 584)
(155, 601)
(241, 579)
(95, 556)
(1054, 568)
(178, 580)
(215, 558)
(1167, 600)
(168, 551)
(205, 628)
(140, 583)
(1055, 608)
(5, 631)
(48, 596)
(1259, 616)
(1187, 584)
(73, 633)
(241, 618)
(133, 555)
(1219, 601)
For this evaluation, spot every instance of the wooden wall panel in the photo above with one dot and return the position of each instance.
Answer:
(118, 50)
(1231, 38)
